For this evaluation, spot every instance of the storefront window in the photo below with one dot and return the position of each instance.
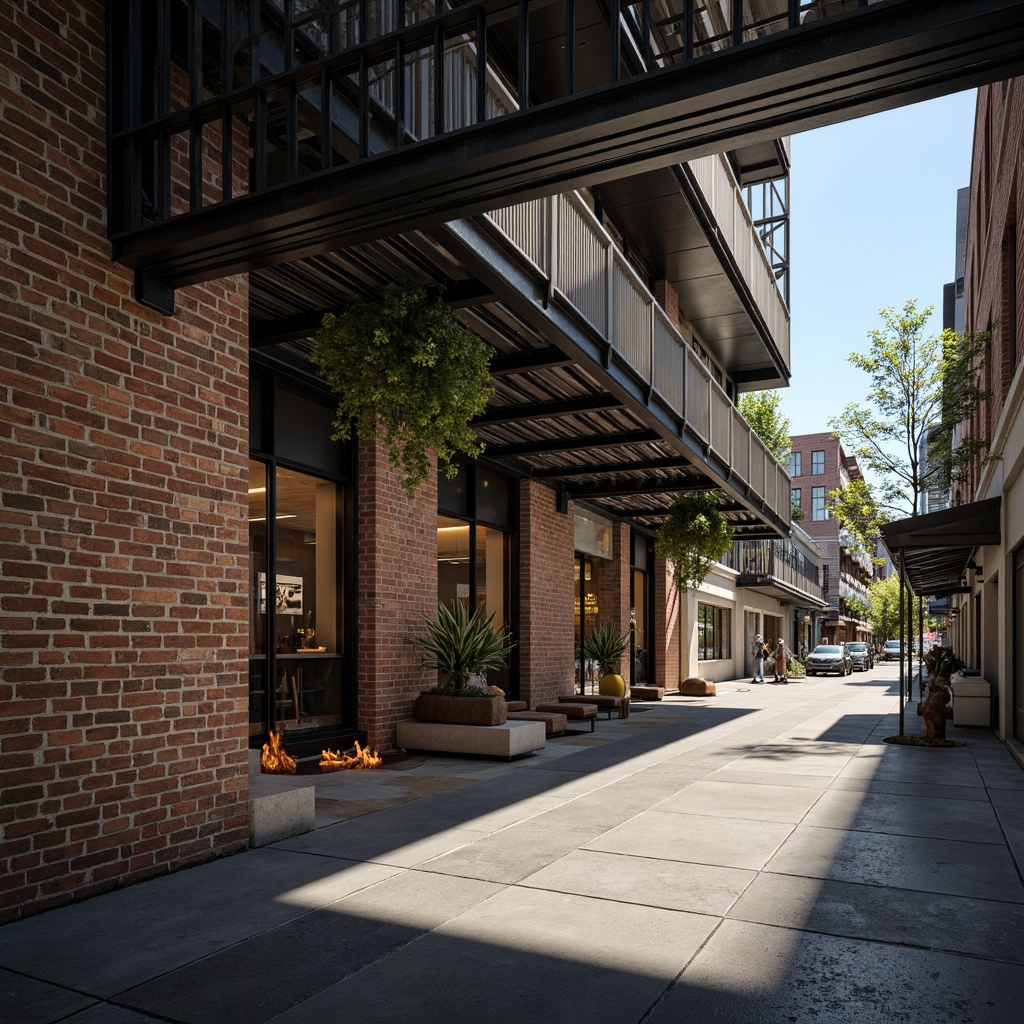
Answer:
(714, 629)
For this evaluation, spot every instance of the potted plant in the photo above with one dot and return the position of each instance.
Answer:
(694, 536)
(406, 370)
(606, 645)
(461, 645)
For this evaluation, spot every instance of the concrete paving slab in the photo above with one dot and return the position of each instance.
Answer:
(748, 972)
(905, 862)
(792, 762)
(927, 816)
(273, 971)
(739, 800)
(108, 1013)
(985, 928)
(700, 889)
(525, 955)
(695, 839)
(362, 842)
(909, 789)
(113, 943)
(513, 853)
(27, 1001)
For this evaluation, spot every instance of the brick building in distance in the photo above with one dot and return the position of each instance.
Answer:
(818, 465)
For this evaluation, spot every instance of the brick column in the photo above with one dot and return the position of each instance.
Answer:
(613, 589)
(397, 587)
(668, 606)
(546, 595)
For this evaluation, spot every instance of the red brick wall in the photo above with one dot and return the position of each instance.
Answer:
(997, 193)
(397, 555)
(668, 608)
(546, 595)
(613, 588)
(123, 549)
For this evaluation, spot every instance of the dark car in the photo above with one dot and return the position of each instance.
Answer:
(829, 658)
(892, 650)
(861, 656)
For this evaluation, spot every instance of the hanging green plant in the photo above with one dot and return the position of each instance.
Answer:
(407, 371)
(694, 536)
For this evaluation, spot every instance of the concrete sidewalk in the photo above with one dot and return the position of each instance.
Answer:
(759, 856)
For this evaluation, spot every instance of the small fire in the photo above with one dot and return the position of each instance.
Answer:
(274, 760)
(337, 762)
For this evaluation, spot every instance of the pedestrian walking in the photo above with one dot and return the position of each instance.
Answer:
(757, 649)
(780, 662)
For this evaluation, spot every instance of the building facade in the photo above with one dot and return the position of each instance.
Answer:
(819, 465)
(189, 561)
(986, 625)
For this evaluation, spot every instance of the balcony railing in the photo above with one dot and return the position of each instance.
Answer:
(777, 562)
(736, 228)
(569, 247)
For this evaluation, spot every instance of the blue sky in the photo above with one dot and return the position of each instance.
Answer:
(873, 222)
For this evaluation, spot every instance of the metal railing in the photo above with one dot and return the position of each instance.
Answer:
(783, 561)
(736, 228)
(573, 252)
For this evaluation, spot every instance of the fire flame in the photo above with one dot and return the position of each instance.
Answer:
(337, 762)
(274, 760)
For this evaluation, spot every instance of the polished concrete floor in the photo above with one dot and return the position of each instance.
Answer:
(757, 856)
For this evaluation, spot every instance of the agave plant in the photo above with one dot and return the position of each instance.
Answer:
(461, 644)
(605, 645)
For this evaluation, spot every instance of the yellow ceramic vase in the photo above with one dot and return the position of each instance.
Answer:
(612, 685)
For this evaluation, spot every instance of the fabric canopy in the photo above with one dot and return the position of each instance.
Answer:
(936, 548)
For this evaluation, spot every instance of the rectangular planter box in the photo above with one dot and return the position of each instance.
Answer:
(433, 707)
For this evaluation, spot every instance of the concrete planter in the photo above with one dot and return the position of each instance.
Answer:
(434, 707)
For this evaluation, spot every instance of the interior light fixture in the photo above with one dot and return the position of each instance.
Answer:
(263, 519)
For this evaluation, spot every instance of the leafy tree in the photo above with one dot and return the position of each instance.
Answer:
(919, 386)
(855, 508)
(406, 370)
(761, 409)
(884, 611)
(693, 537)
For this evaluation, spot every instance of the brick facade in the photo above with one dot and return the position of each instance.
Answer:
(668, 624)
(123, 560)
(397, 587)
(546, 588)
(613, 579)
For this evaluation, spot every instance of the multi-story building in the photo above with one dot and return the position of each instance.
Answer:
(187, 188)
(818, 465)
(988, 605)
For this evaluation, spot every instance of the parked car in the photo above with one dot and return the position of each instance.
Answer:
(861, 656)
(829, 658)
(892, 650)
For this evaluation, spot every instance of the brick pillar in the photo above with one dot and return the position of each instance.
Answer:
(613, 588)
(667, 297)
(397, 586)
(668, 605)
(546, 640)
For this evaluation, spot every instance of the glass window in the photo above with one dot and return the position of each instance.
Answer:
(472, 567)
(714, 630)
(818, 509)
(307, 595)
(796, 460)
(796, 496)
(817, 463)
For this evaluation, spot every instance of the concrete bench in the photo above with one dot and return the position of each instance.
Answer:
(577, 711)
(509, 740)
(279, 810)
(647, 692)
(609, 704)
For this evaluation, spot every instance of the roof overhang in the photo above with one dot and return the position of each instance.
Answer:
(934, 549)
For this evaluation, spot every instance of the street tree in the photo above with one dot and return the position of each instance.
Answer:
(762, 410)
(921, 386)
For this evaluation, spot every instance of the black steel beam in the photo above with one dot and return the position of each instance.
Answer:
(555, 446)
(874, 59)
(524, 362)
(597, 468)
(548, 410)
(681, 486)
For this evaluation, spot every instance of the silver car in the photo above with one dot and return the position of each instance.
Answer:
(860, 655)
(828, 658)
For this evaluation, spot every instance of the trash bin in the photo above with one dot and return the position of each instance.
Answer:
(972, 702)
